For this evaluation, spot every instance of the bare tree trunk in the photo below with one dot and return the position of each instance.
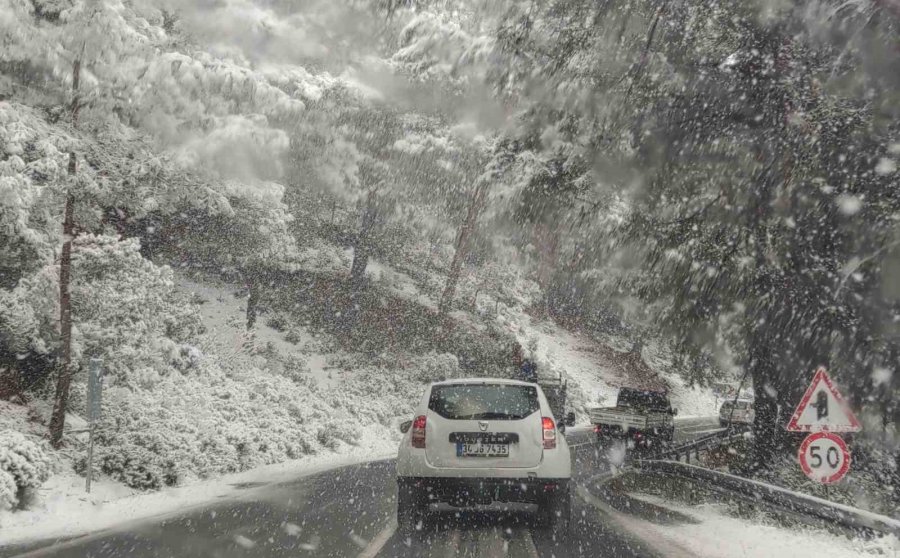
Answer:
(61, 401)
(361, 253)
(546, 238)
(462, 244)
(252, 301)
(10, 382)
(363, 247)
(547, 241)
(58, 419)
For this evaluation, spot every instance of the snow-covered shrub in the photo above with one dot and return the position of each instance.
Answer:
(138, 465)
(278, 321)
(186, 357)
(295, 368)
(113, 284)
(331, 433)
(294, 335)
(9, 492)
(23, 467)
(434, 367)
(324, 257)
(224, 417)
(125, 310)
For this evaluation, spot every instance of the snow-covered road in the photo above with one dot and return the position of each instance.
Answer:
(350, 511)
(347, 511)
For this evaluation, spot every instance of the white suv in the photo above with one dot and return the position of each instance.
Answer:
(483, 442)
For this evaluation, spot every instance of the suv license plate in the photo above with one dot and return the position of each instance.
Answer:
(482, 450)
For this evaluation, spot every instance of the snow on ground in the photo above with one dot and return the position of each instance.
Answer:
(718, 535)
(589, 366)
(691, 401)
(376, 394)
(18, 418)
(223, 312)
(224, 316)
(68, 511)
(556, 351)
(336, 380)
(397, 283)
(359, 401)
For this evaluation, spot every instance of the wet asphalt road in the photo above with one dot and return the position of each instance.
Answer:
(351, 512)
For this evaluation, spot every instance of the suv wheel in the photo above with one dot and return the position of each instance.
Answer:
(556, 511)
(410, 507)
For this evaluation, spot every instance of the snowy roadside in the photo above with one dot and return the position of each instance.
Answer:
(586, 363)
(363, 401)
(714, 534)
(68, 511)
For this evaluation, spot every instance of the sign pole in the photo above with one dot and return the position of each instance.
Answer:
(90, 459)
(94, 392)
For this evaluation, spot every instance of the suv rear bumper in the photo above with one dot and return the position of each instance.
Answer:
(464, 492)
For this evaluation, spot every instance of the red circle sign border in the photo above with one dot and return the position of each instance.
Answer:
(845, 466)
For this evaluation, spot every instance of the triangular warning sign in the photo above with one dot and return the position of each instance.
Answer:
(823, 409)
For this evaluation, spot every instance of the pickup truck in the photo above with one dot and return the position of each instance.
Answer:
(555, 388)
(644, 416)
(737, 412)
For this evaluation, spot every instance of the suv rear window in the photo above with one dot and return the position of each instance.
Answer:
(483, 401)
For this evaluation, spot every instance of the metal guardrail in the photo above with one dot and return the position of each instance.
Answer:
(695, 446)
(776, 497)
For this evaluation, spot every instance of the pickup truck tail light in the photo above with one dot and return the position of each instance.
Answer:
(549, 429)
(418, 432)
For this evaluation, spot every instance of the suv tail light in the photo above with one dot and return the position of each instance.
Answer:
(549, 433)
(418, 432)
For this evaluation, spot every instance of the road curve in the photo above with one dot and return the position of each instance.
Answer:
(350, 512)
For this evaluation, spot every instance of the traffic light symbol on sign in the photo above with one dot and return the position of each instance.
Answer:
(821, 405)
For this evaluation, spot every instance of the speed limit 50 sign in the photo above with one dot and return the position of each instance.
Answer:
(824, 457)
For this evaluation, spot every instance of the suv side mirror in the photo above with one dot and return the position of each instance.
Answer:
(674, 412)
(570, 419)
(404, 426)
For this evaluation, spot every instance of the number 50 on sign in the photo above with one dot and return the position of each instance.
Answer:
(824, 457)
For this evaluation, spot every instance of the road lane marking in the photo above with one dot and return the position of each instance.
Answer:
(379, 541)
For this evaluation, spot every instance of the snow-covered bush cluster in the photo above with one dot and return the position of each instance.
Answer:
(203, 425)
(24, 466)
(434, 367)
(230, 416)
(125, 308)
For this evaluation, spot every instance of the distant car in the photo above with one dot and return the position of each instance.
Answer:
(483, 444)
(645, 417)
(737, 412)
